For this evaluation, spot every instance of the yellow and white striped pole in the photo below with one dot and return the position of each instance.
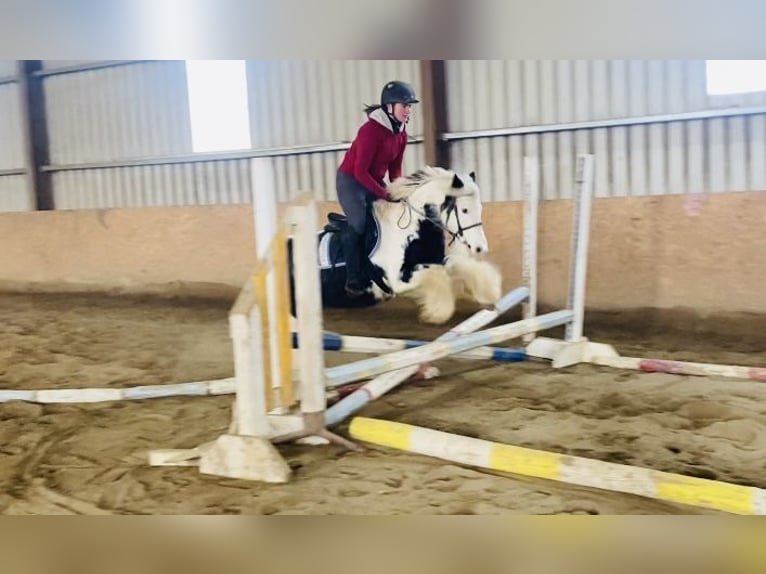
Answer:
(655, 484)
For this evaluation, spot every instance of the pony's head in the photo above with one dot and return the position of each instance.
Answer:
(461, 215)
(457, 197)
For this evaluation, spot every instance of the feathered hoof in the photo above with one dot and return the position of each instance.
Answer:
(489, 294)
(480, 281)
(436, 315)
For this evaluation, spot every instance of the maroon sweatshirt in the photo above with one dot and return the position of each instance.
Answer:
(375, 151)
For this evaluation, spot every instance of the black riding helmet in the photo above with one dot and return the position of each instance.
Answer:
(397, 92)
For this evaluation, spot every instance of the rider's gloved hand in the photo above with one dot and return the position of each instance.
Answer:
(391, 199)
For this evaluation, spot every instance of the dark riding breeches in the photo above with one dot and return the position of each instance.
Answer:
(354, 199)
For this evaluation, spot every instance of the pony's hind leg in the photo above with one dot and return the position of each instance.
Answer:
(431, 287)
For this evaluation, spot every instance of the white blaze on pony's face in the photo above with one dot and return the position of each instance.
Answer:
(464, 220)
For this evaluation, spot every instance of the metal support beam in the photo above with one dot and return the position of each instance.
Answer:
(99, 65)
(201, 157)
(7, 172)
(434, 87)
(612, 123)
(35, 128)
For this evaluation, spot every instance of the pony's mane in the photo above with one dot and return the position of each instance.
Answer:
(405, 186)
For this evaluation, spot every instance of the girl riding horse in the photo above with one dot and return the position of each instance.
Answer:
(377, 149)
(425, 245)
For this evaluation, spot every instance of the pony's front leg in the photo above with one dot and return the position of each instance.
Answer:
(431, 287)
(475, 280)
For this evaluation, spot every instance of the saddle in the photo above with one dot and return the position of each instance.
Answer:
(336, 222)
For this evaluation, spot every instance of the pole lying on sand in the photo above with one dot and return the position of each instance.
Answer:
(563, 468)
(682, 368)
(96, 395)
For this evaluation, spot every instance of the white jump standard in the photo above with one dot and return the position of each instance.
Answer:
(575, 348)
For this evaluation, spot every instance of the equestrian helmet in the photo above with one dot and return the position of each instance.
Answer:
(397, 92)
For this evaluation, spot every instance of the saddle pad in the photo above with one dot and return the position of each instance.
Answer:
(329, 253)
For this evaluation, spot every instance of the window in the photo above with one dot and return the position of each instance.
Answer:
(725, 77)
(218, 105)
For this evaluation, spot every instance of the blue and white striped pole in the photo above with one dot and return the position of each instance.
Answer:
(340, 375)
(387, 381)
(378, 345)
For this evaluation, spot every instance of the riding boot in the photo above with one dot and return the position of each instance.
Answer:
(352, 251)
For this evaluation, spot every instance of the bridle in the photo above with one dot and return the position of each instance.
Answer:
(450, 206)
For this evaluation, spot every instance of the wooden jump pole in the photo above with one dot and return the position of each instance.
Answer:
(387, 381)
(562, 468)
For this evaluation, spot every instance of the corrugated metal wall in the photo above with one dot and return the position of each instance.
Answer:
(137, 110)
(202, 183)
(11, 141)
(508, 93)
(319, 102)
(132, 111)
(677, 157)
(14, 195)
(140, 110)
